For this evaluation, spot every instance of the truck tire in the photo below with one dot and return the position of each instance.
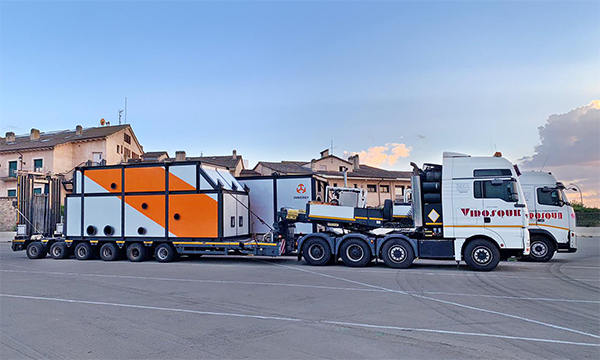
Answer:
(397, 253)
(36, 250)
(482, 255)
(542, 249)
(84, 251)
(165, 253)
(110, 252)
(355, 253)
(316, 251)
(136, 252)
(59, 250)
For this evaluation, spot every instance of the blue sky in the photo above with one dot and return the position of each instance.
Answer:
(280, 80)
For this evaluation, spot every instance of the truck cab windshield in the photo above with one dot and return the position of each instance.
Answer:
(551, 196)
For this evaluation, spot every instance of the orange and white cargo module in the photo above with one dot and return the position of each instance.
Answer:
(185, 206)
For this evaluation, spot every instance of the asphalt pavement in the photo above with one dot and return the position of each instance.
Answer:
(278, 308)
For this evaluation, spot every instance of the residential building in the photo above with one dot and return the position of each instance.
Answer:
(59, 152)
(234, 162)
(380, 184)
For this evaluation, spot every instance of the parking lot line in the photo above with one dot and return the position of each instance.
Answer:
(296, 320)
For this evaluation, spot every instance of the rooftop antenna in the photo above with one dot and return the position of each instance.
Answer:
(120, 112)
(332, 147)
(125, 110)
(544, 163)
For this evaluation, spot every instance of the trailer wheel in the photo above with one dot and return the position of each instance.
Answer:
(109, 252)
(36, 250)
(397, 253)
(355, 253)
(84, 251)
(542, 249)
(59, 250)
(481, 255)
(136, 252)
(316, 251)
(165, 253)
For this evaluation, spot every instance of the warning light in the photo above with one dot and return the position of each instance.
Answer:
(498, 154)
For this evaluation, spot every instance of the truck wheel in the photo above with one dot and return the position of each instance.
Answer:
(165, 253)
(397, 253)
(109, 252)
(542, 249)
(355, 253)
(36, 250)
(482, 255)
(136, 252)
(59, 250)
(84, 251)
(316, 251)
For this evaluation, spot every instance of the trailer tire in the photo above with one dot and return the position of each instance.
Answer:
(110, 252)
(84, 251)
(59, 250)
(355, 253)
(165, 253)
(136, 252)
(36, 250)
(397, 253)
(316, 251)
(542, 249)
(481, 255)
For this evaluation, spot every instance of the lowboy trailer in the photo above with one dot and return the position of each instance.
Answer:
(468, 208)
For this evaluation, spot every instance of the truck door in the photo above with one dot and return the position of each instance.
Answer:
(551, 213)
(499, 213)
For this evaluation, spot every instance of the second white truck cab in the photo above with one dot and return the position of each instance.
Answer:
(551, 217)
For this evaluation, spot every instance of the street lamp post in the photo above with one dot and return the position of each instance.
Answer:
(580, 194)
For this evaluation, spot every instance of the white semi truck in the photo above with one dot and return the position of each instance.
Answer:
(468, 208)
(551, 216)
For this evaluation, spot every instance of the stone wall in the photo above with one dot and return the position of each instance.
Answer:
(8, 214)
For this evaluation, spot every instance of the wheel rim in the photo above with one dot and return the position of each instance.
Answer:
(135, 252)
(162, 253)
(316, 252)
(107, 252)
(482, 255)
(355, 252)
(397, 253)
(55, 251)
(539, 249)
(81, 252)
(33, 251)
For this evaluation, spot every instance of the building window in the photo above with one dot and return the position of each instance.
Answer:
(12, 168)
(12, 193)
(334, 184)
(127, 153)
(399, 190)
(371, 188)
(38, 164)
(37, 191)
(134, 156)
(127, 138)
(385, 188)
(355, 186)
(118, 149)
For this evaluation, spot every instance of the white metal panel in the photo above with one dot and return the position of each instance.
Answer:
(215, 177)
(135, 219)
(186, 173)
(242, 211)
(262, 202)
(77, 179)
(101, 211)
(229, 211)
(229, 179)
(295, 193)
(332, 212)
(73, 205)
(92, 187)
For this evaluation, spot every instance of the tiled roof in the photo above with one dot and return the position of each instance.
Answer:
(287, 167)
(53, 138)
(247, 172)
(155, 154)
(226, 161)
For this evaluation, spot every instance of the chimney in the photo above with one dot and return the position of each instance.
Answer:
(34, 135)
(10, 137)
(324, 153)
(234, 155)
(179, 155)
(78, 130)
(354, 159)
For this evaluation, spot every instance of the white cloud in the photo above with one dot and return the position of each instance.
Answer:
(570, 148)
(387, 154)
